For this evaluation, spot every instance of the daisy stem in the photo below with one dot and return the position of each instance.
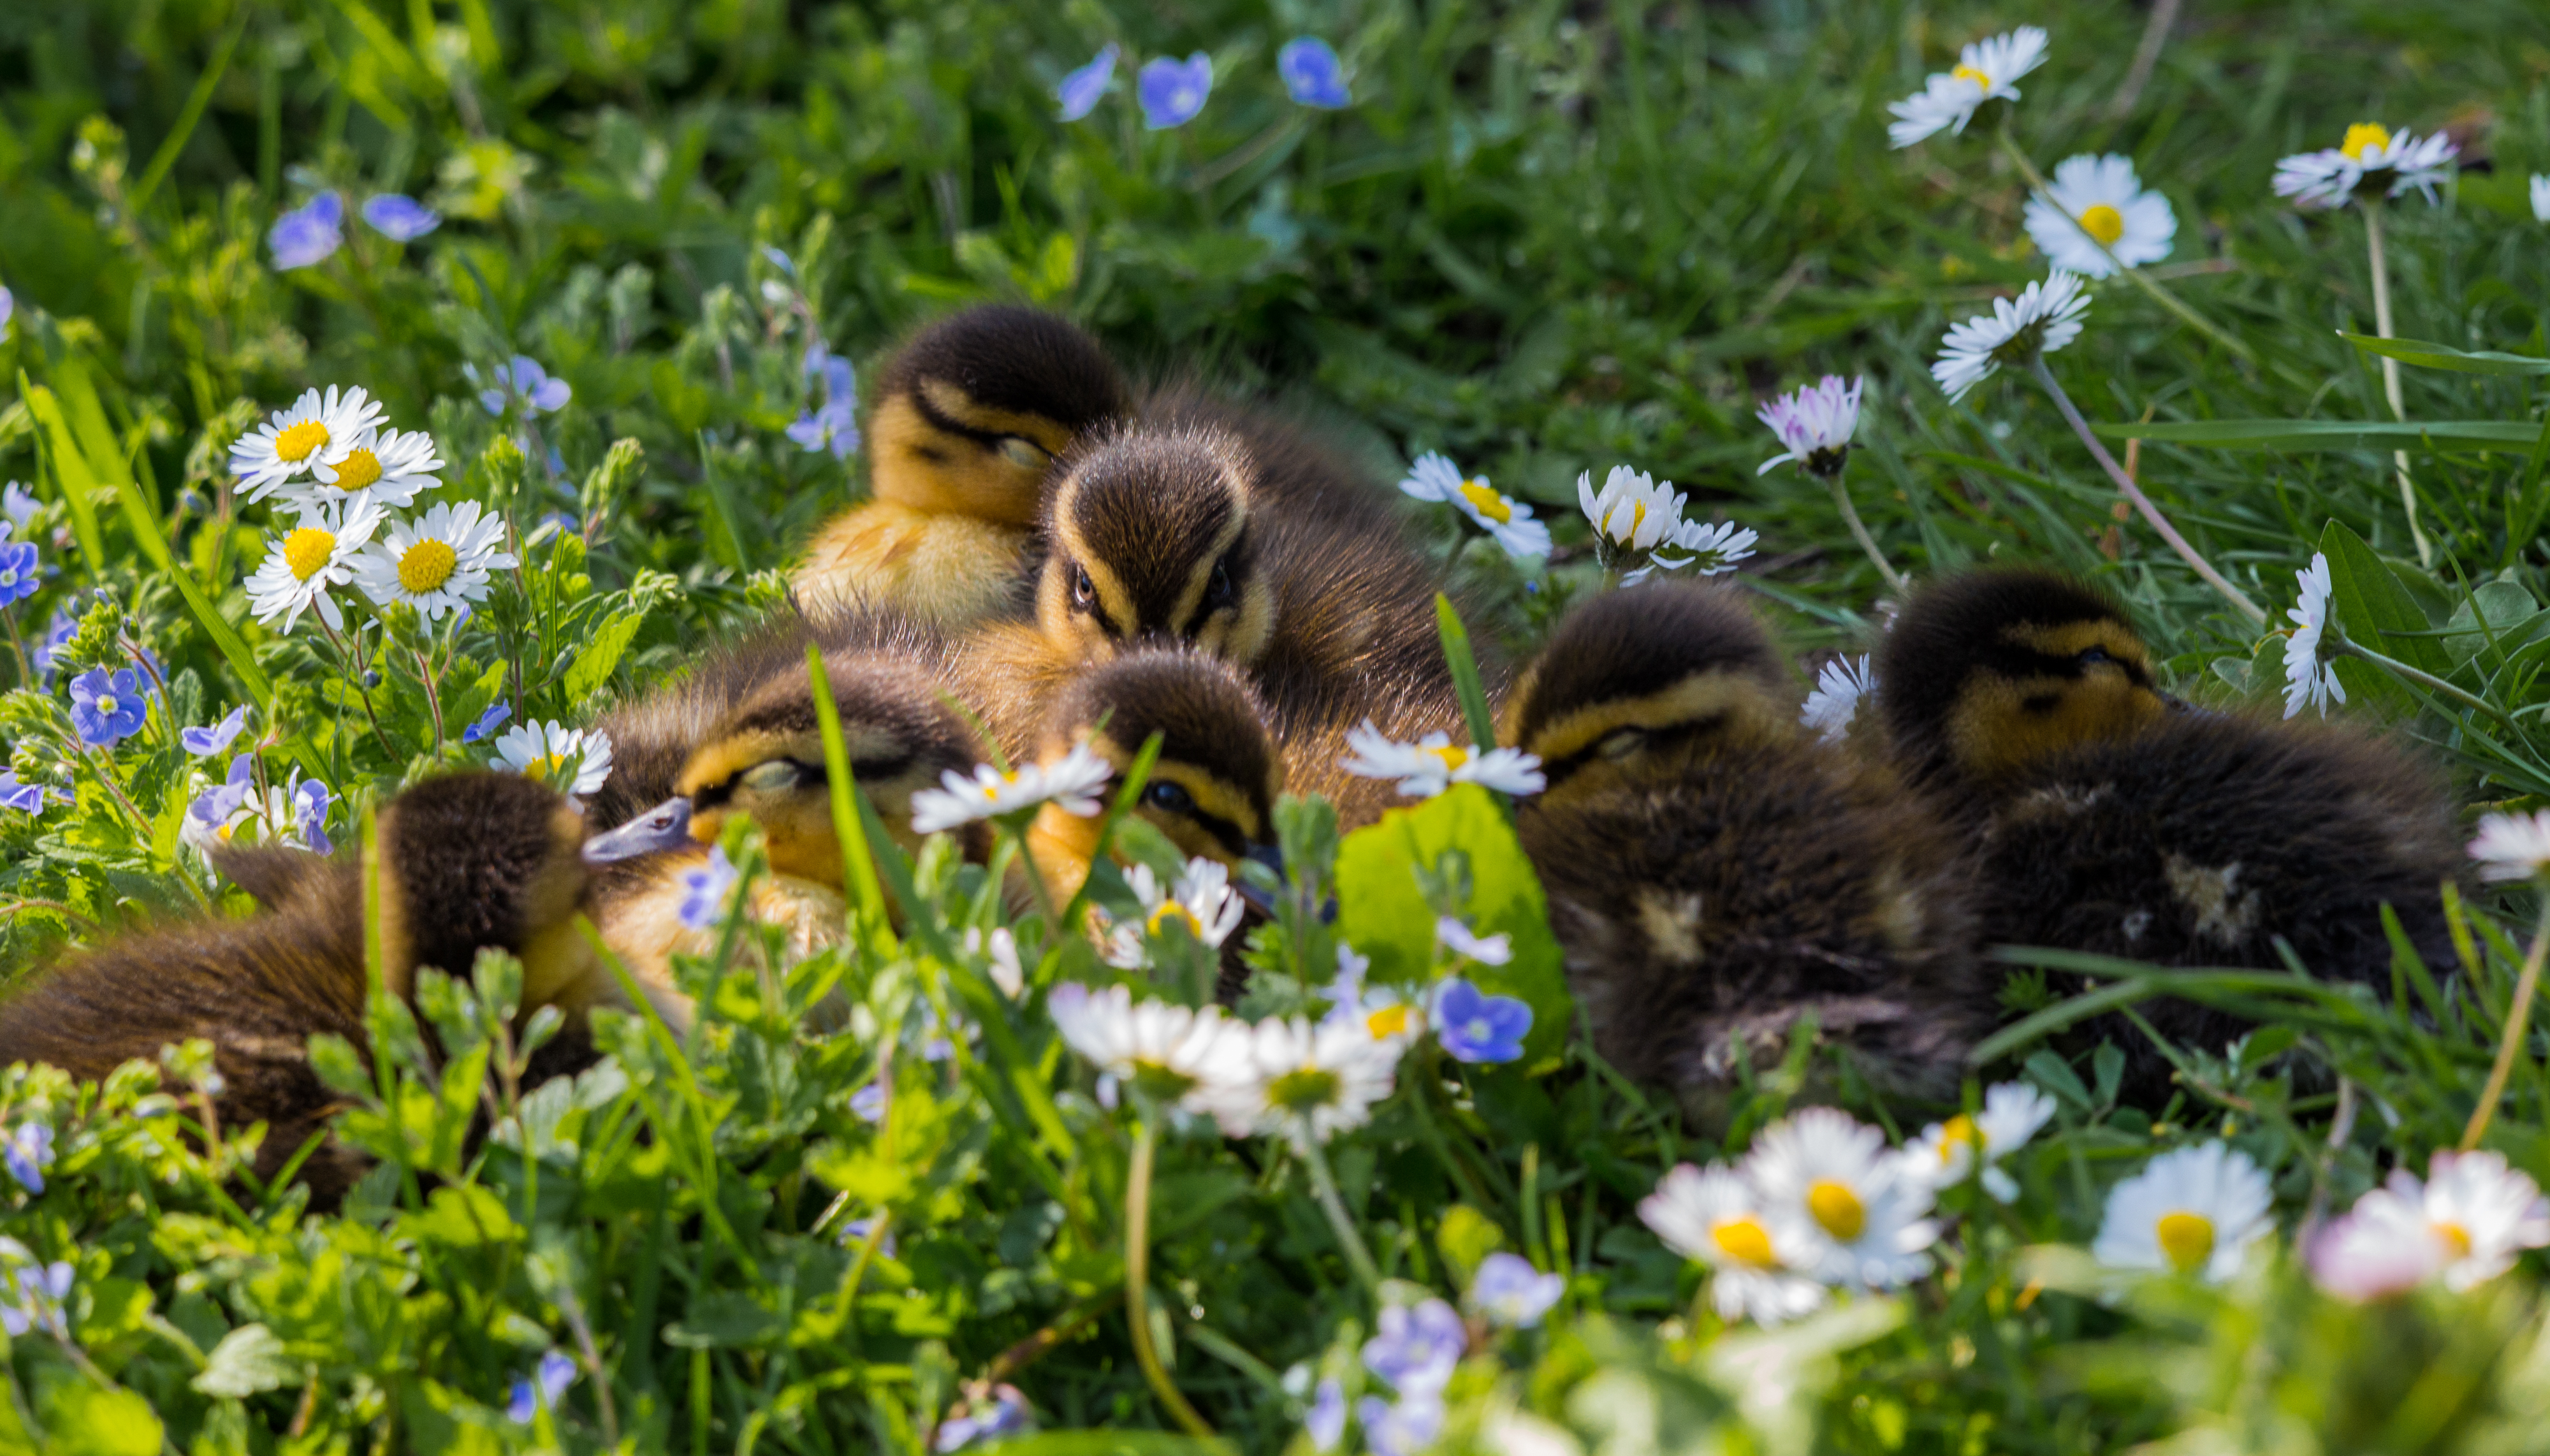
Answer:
(2519, 1021)
(2391, 370)
(1859, 532)
(2427, 680)
(1324, 1184)
(432, 700)
(1137, 1282)
(2159, 295)
(2135, 493)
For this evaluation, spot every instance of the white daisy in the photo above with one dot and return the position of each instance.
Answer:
(1712, 547)
(317, 553)
(292, 442)
(2042, 319)
(2372, 159)
(1946, 1152)
(2482, 1213)
(1162, 1050)
(1984, 69)
(1201, 899)
(2541, 197)
(1839, 686)
(1308, 1080)
(1847, 1210)
(2512, 846)
(1001, 952)
(1814, 426)
(1069, 782)
(385, 466)
(1633, 515)
(2099, 198)
(2194, 1211)
(2310, 676)
(1435, 478)
(570, 761)
(1434, 764)
(435, 563)
(1714, 1218)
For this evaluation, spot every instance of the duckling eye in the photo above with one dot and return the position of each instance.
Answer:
(2091, 655)
(1625, 742)
(1084, 592)
(1219, 592)
(1169, 798)
(777, 774)
(1022, 452)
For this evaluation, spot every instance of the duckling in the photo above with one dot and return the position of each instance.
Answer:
(2105, 820)
(971, 413)
(764, 759)
(1716, 874)
(468, 861)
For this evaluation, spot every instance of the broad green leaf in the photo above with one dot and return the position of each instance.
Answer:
(602, 653)
(1383, 910)
(250, 1360)
(2376, 610)
(2444, 356)
(2508, 611)
(462, 1218)
(83, 1420)
(2335, 435)
(70, 471)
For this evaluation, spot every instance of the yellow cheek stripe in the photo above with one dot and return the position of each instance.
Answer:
(1071, 549)
(2072, 638)
(1182, 618)
(1745, 702)
(954, 403)
(1990, 731)
(920, 467)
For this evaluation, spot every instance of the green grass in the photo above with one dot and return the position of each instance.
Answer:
(1546, 238)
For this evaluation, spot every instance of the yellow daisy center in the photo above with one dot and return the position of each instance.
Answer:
(1304, 1090)
(306, 551)
(1452, 757)
(1387, 1022)
(2361, 138)
(1969, 73)
(1159, 1080)
(1957, 1129)
(360, 468)
(2187, 1240)
(2456, 1238)
(2103, 223)
(426, 565)
(300, 442)
(1172, 910)
(1487, 502)
(1837, 1208)
(545, 767)
(1743, 1240)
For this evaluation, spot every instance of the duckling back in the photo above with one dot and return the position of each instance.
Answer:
(1717, 877)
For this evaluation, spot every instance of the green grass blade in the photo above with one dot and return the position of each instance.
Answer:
(1465, 673)
(2444, 356)
(858, 864)
(2334, 435)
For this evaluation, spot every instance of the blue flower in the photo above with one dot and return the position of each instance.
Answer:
(488, 721)
(8, 306)
(1080, 90)
(833, 426)
(1461, 940)
(1173, 91)
(1417, 1348)
(858, 1232)
(25, 798)
(1511, 1293)
(1403, 1427)
(868, 1103)
(705, 891)
(310, 815)
(1477, 1028)
(1005, 1412)
(1325, 1424)
(31, 1297)
(1310, 68)
(541, 1386)
(106, 706)
(308, 234)
(210, 814)
(780, 260)
(400, 218)
(57, 635)
(204, 742)
(18, 575)
(16, 501)
(521, 376)
(29, 1152)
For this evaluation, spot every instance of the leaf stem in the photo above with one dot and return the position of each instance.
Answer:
(2391, 370)
(1137, 1282)
(2423, 678)
(1324, 1184)
(2518, 1019)
(1859, 532)
(2135, 493)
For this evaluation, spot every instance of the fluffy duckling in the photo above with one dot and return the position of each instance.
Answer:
(1715, 873)
(466, 862)
(2106, 818)
(764, 759)
(971, 413)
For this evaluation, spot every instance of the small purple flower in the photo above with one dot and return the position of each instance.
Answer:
(488, 721)
(1081, 89)
(1173, 91)
(308, 234)
(523, 376)
(705, 891)
(1511, 1293)
(1402, 1429)
(1004, 1415)
(212, 810)
(310, 815)
(25, 798)
(57, 635)
(18, 575)
(1461, 940)
(31, 1296)
(204, 742)
(106, 706)
(1325, 1423)
(868, 1103)
(16, 501)
(400, 218)
(541, 1386)
(1417, 1348)
(8, 306)
(560, 523)
(858, 1232)
(1311, 73)
(833, 426)
(780, 260)
(29, 1152)
(1474, 1027)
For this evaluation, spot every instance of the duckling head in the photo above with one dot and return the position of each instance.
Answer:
(1213, 787)
(1149, 536)
(1991, 672)
(973, 410)
(765, 761)
(1638, 683)
(473, 860)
